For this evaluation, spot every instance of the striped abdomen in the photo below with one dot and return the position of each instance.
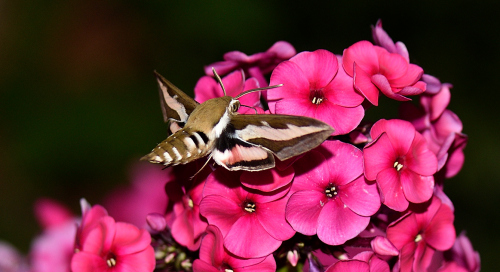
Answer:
(180, 148)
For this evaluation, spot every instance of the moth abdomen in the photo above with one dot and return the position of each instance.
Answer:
(179, 148)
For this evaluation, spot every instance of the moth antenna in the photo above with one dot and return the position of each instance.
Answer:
(257, 90)
(249, 107)
(219, 80)
(208, 159)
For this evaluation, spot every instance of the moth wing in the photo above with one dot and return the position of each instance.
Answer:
(285, 136)
(175, 104)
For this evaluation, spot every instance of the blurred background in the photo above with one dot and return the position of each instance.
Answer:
(79, 103)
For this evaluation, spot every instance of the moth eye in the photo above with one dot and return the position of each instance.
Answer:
(235, 106)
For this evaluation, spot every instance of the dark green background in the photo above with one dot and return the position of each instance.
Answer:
(79, 103)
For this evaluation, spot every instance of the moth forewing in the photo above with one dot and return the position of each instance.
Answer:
(284, 135)
(175, 104)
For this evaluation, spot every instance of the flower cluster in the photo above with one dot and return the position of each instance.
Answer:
(370, 198)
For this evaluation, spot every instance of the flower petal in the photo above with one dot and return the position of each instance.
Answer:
(144, 259)
(271, 216)
(400, 133)
(403, 231)
(363, 83)
(129, 239)
(341, 91)
(337, 223)
(248, 239)
(416, 188)
(212, 248)
(391, 191)
(440, 234)
(361, 197)
(319, 67)
(87, 262)
(221, 212)
(268, 180)
(378, 156)
(349, 265)
(419, 158)
(294, 80)
(302, 210)
(364, 55)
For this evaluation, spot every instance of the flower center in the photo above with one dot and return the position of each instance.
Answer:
(331, 191)
(249, 206)
(111, 260)
(418, 238)
(398, 165)
(316, 96)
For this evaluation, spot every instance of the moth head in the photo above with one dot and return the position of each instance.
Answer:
(234, 105)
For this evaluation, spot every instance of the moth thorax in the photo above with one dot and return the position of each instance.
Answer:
(316, 96)
(234, 105)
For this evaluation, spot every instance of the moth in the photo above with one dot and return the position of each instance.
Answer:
(235, 141)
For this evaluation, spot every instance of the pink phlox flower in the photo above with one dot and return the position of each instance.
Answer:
(253, 223)
(461, 257)
(374, 68)
(401, 163)
(234, 83)
(214, 257)
(382, 39)
(183, 212)
(331, 197)
(256, 65)
(145, 195)
(53, 249)
(420, 232)
(314, 86)
(111, 246)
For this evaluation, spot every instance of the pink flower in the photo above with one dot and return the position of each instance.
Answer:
(418, 235)
(112, 246)
(207, 88)
(256, 65)
(314, 86)
(401, 163)
(332, 198)
(374, 69)
(253, 223)
(214, 257)
(145, 195)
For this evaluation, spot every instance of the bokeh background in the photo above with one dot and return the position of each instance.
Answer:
(79, 103)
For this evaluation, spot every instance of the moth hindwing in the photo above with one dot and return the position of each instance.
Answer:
(237, 142)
